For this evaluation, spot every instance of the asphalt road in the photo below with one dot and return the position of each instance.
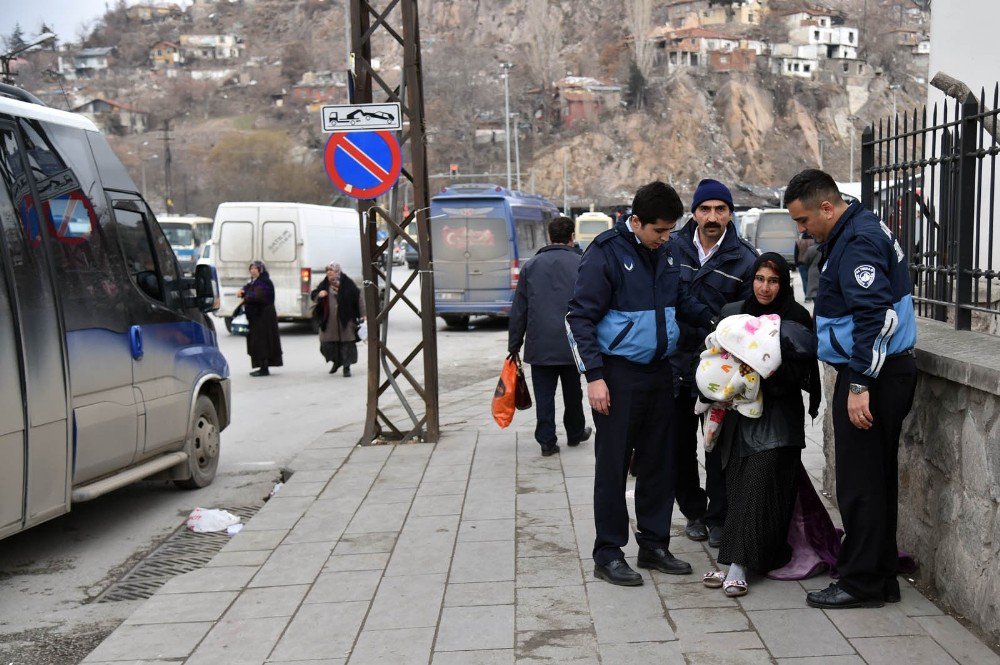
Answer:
(51, 574)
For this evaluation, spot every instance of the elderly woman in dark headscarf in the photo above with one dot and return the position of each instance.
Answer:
(762, 456)
(339, 309)
(263, 342)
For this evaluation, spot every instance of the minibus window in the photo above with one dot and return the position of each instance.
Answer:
(137, 249)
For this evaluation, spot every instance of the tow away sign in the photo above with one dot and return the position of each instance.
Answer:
(362, 117)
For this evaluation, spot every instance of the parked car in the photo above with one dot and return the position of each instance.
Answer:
(774, 230)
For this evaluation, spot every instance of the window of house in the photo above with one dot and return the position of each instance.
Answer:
(805, 68)
(694, 59)
(846, 67)
(816, 35)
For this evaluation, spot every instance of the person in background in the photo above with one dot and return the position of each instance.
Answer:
(802, 259)
(623, 328)
(761, 456)
(263, 340)
(715, 263)
(866, 329)
(339, 310)
(538, 320)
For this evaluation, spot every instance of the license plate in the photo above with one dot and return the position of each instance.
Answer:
(448, 295)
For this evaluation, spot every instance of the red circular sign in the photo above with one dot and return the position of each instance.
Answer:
(363, 165)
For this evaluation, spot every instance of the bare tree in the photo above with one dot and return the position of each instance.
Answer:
(543, 24)
(639, 18)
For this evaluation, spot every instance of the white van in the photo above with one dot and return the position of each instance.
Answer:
(295, 240)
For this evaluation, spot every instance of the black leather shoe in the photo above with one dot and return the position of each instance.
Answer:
(835, 598)
(347, 370)
(696, 530)
(715, 536)
(662, 560)
(549, 451)
(617, 572)
(890, 590)
(587, 431)
(336, 366)
(260, 372)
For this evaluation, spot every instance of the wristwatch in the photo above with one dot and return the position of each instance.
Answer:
(858, 388)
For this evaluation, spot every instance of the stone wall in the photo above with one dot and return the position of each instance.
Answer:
(949, 470)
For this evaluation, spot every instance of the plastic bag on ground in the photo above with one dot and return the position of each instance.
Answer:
(205, 520)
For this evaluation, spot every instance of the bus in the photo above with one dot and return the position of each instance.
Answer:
(186, 234)
(111, 368)
(481, 234)
(589, 225)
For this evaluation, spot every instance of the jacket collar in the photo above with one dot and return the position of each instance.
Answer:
(685, 240)
(556, 247)
(852, 211)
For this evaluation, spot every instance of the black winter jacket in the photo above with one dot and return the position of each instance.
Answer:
(538, 313)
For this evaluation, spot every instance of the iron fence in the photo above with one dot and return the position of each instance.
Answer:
(931, 176)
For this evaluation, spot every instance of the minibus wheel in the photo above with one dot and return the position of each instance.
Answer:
(460, 321)
(202, 445)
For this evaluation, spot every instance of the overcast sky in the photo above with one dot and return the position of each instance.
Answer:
(63, 16)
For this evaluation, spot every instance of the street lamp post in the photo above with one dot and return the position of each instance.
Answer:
(506, 67)
(5, 73)
(517, 154)
(894, 87)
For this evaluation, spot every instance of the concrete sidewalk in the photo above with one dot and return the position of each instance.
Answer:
(476, 550)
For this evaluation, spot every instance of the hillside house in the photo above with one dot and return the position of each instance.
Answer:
(838, 41)
(152, 13)
(581, 98)
(737, 60)
(690, 47)
(165, 54)
(320, 86)
(86, 62)
(813, 17)
(698, 13)
(114, 117)
(210, 47)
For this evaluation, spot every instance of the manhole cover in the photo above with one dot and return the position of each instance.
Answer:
(182, 551)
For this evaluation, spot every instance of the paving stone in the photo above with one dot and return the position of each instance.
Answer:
(242, 641)
(911, 649)
(246, 558)
(641, 652)
(404, 645)
(151, 642)
(386, 494)
(533, 483)
(700, 563)
(319, 459)
(746, 657)
(412, 601)
(693, 595)
(491, 561)
(374, 561)
(310, 476)
(425, 546)
(338, 587)
(960, 644)
(912, 603)
(545, 540)
(713, 620)
(366, 543)
(324, 630)
(300, 488)
(713, 643)
(789, 633)
(448, 504)
(441, 488)
(232, 578)
(324, 521)
(580, 490)
(277, 601)
(476, 628)
(279, 513)
(183, 608)
(484, 530)
(870, 622)
(298, 563)
(479, 593)
(548, 571)
(773, 595)
(569, 647)
(823, 660)
(627, 614)
(377, 517)
(491, 657)
(555, 608)
(542, 501)
(255, 540)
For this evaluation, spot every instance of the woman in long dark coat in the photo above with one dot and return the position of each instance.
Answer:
(761, 456)
(339, 309)
(263, 342)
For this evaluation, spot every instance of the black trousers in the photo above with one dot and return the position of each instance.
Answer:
(640, 419)
(543, 381)
(709, 504)
(867, 479)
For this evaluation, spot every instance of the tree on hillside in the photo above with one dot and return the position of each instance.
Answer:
(295, 61)
(639, 20)
(15, 40)
(545, 42)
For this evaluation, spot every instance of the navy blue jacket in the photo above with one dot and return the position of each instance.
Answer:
(864, 307)
(626, 303)
(538, 313)
(724, 278)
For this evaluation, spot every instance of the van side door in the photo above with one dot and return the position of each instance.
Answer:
(40, 374)
(160, 333)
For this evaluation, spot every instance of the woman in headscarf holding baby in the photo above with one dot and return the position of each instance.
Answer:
(761, 456)
(339, 310)
(263, 342)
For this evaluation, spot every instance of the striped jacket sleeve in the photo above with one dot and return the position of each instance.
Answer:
(864, 282)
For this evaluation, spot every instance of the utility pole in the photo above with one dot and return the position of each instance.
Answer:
(517, 154)
(168, 193)
(565, 184)
(506, 67)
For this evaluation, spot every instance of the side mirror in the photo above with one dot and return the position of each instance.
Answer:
(206, 288)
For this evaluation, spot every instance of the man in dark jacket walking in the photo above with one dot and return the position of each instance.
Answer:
(539, 313)
(716, 265)
(623, 323)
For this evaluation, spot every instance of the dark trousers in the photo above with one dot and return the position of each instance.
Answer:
(867, 480)
(543, 380)
(804, 275)
(709, 504)
(640, 419)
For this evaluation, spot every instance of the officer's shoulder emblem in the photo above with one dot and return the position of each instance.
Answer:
(864, 275)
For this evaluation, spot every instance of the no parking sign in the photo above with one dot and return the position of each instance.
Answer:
(363, 165)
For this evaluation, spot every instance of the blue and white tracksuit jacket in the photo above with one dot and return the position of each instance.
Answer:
(626, 302)
(864, 307)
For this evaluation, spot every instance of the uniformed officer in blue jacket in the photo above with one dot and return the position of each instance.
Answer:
(622, 323)
(717, 266)
(866, 329)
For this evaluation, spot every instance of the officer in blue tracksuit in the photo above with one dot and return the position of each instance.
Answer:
(622, 323)
(717, 266)
(866, 329)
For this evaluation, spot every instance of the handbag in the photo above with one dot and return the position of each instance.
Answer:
(522, 396)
